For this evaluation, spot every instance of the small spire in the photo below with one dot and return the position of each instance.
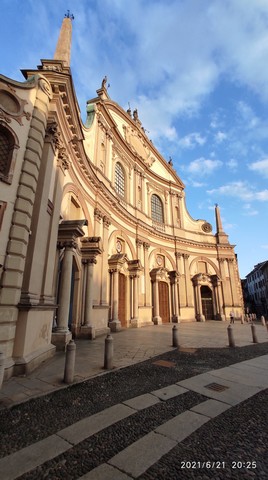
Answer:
(63, 49)
(218, 219)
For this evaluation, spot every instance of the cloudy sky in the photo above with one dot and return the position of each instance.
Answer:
(197, 72)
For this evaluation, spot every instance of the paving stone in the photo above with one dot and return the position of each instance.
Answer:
(139, 456)
(181, 426)
(142, 401)
(105, 472)
(169, 392)
(210, 408)
(235, 393)
(30, 457)
(246, 375)
(77, 432)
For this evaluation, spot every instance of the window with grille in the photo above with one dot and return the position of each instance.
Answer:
(157, 209)
(6, 151)
(119, 181)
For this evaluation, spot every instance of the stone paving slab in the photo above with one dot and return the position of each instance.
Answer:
(245, 376)
(169, 392)
(30, 457)
(258, 361)
(181, 426)
(142, 401)
(142, 454)
(233, 394)
(211, 408)
(83, 429)
(105, 472)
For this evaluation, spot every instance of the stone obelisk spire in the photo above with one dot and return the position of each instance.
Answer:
(63, 49)
(221, 235)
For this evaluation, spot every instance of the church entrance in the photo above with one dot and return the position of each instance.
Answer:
(122, 313)
(164, 302)
(207, 302)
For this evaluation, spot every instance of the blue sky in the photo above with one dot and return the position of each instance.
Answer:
(197, 72)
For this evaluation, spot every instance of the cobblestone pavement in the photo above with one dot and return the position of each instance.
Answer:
(192, 413)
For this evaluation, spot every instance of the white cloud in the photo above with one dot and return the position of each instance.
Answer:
(241, 190)
(191, 140)
(203, 166)
(220, 137)
(249, 211)
(232, 164)
(260, 167)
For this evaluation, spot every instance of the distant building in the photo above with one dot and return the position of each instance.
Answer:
(255, 288)
(95, 233)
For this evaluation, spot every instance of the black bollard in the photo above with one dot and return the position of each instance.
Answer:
(254, 335)
(69, 362)
(175, 336)
(231, 336)
(108, 352)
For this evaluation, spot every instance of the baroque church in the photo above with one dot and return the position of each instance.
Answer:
(95, 235)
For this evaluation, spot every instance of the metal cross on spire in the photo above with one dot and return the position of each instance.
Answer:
(69, 15)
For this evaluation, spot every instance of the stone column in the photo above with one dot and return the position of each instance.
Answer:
(148, 300)
(134, 300)
(115, 323)
(188, 284)
(90, 248)
(104, 276)
(174, 276)
(181, 281)
(233, 284)
(62, 329)
(218, 295)
(157, 320)
(197, 292)
(88, 325)
(226, 287)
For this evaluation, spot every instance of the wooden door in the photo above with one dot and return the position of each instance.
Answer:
(122, 314)
(164, 302)
(207, 303)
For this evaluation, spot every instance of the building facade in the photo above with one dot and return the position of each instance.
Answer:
(255, 289)
(95, 234)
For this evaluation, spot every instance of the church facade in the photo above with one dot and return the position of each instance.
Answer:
(94, 230)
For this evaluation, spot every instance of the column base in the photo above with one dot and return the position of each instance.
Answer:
(115, 325)
(134, 322)
(221, 317)
(61, 339)
(88, 331)
(175, 319)
(157, 320)
(200, 317)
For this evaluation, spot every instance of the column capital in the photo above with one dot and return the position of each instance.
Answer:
(178, 254)
(66, 244)
(91, 247)
(98, 214)
(106, 221)
(139, 242)
(174, 276)
(146, 245)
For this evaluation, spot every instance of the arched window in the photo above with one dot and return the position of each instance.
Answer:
(7, 144)
(157, 209)
(119, 181)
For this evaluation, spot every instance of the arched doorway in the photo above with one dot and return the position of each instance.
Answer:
(207, 302)
(164, 302)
